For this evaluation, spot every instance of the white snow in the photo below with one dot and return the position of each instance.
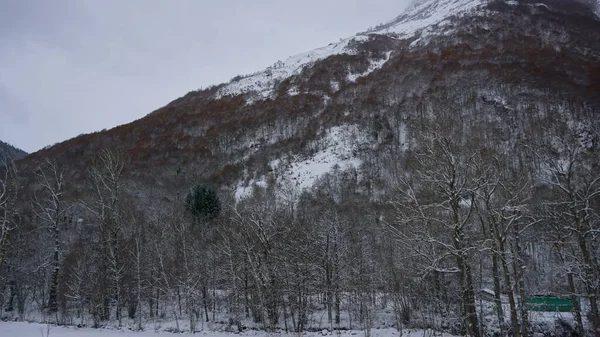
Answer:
(420, 17)
(263, 82)
(425, 14)
(245, 190)
(305, 173)
(338, 148)
(23, 329)
(496, 98)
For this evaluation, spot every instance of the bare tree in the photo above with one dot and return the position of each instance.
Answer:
(9, 188)
(435, 216)
(107, 175)
(502, 207)
(256, 235)
(52, 209)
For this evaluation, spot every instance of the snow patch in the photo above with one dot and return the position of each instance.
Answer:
(496, 99)
(335, 86)
(426, 14)
(339, 147)
(373, 65)
(245, 190)
(264, 82)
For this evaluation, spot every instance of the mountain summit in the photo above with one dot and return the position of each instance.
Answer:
(424, 14)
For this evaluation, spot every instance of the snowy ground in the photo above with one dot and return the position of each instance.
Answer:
(23, 329)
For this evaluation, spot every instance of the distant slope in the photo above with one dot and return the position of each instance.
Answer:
(9, 152)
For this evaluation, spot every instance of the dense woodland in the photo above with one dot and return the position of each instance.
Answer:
(453, 220)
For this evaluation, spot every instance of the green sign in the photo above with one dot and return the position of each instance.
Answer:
(549, 304)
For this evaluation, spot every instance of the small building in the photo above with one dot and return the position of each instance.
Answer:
(487, 295)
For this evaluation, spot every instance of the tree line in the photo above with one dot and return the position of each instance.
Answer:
(452, 220)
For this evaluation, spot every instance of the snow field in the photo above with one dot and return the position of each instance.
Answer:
(24, 329)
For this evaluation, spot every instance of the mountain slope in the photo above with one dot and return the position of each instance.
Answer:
(420, 16)
(500, 68)
(426, 14)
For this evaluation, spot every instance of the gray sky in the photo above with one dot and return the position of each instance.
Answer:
(76, 66)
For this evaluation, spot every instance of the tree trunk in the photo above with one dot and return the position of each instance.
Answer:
(466, 283)
(53, 292)
(589, 264)
(205, 302)
(514, 318)
(496, 274)
(519, 268)
(576, 304)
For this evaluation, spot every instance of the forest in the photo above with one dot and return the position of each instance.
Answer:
(453, 224)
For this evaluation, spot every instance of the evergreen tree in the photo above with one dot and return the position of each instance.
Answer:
(203, 202)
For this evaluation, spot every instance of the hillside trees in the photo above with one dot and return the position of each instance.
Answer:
(572, 175)
(204, 205)
(258, 237)
(464, 218)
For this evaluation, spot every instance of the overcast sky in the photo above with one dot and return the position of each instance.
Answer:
(76, 66)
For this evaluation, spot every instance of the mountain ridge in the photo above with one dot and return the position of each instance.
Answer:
(421, 18)
(9, 153)
(417, 17)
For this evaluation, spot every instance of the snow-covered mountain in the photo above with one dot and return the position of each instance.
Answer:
(263, 82)
(422, 17)
(483, 58)
(426, 14)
